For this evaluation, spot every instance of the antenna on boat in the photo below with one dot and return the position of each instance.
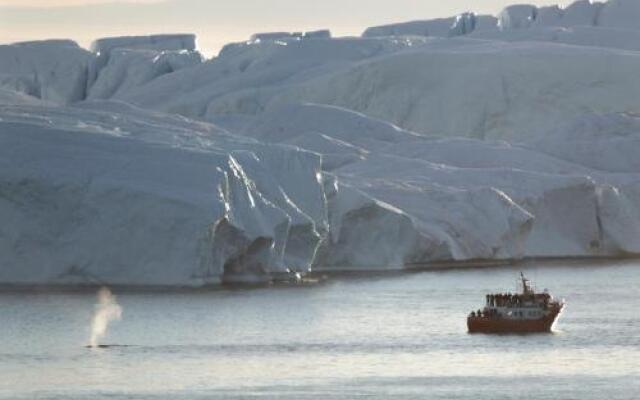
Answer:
(526, 289)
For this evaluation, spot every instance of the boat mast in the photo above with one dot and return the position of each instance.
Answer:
(525, 284)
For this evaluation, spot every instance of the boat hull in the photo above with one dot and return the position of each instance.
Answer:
(508, 325)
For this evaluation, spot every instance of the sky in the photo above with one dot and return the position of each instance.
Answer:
(217, 22)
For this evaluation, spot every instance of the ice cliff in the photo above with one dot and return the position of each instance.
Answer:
(108, 193)
(459, 139)
(618, 14)
(55, 70)
(62, 72)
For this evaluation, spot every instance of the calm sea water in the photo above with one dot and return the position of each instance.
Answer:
(398, 336)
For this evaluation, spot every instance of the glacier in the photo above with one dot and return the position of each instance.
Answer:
(109, 193)
(456, 140)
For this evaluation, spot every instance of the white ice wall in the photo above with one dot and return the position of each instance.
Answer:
(622, 14)
(111, 194)
(55, 71)
(369, 153)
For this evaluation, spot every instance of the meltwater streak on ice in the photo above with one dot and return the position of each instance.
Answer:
(107, 310)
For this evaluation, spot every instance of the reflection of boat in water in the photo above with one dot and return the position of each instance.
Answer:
(525, 312)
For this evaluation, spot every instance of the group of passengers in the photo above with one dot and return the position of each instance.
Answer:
(486, 313)
(505, 300)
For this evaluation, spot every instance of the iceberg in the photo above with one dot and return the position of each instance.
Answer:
(175, 42)
(616, 14)
(106, 193)
(582, 13)
(518, 16)
(456, 140)
(622, 14)
(129, 68)
(548, 16)
(536, 204)
(459, 25)
(436, 27)
(50, 70)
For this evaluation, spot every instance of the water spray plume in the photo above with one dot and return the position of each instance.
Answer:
(107, 310)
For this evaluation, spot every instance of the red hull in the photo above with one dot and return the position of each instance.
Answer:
(506, 325)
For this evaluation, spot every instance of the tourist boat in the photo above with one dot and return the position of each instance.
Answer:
(526, 312)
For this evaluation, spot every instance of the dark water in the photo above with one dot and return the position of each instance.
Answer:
(401, 336)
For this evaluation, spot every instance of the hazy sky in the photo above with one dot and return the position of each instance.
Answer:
(217, 22)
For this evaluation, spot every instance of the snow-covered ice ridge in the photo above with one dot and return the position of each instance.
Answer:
(62, 72)
(618, 14)
(139, 162)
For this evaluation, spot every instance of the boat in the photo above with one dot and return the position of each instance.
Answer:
(525, 312)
